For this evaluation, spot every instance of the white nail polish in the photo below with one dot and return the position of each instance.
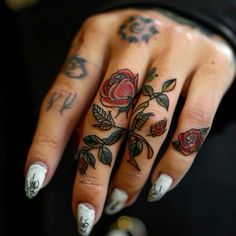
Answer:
(34, 180)
(116, 201)
(159, 188)
(85, 219)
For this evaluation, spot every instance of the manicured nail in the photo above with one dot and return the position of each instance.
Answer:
(116, 201)
(85, 219)
(159, 188)
(34, 179)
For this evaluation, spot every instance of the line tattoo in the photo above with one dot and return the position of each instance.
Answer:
(137, 28)
(75, 67)
(55, 96)
(67, 102)
(112, 95)
(190, 141)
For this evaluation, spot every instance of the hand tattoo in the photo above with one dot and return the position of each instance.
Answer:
(190, 141)
(67, 102)
(137, 28)
(75, 67)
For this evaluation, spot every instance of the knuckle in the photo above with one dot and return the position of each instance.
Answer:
(96, 23)
(91, 186)
(47, 141)
(63, 88)
(222, 52)
(199, 115)
(132, 181)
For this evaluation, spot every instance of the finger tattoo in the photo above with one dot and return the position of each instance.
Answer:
(137, 29)
(136, 141)
(67, 103)
(119, 91)
(75, 67)
(190, 141)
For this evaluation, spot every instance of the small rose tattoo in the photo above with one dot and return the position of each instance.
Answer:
(119, 91)
(190, 141)
(158, 128)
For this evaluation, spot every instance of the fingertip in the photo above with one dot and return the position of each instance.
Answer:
(160, 187)
(85, 218)
(35, 179)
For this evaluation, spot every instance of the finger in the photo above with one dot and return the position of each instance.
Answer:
(61, 110)
(204, 95)
(104, 131)
(148, 127)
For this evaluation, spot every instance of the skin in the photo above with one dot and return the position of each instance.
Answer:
(202, 64)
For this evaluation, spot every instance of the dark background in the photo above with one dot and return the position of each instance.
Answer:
(33, 46)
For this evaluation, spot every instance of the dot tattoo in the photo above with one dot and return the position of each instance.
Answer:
(190, 141)
(75, 67)
(137, 29)
(151, 74)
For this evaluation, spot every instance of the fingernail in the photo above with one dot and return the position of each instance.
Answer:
(34, 179)
(116, 201)
(85, 219)
(159, 188)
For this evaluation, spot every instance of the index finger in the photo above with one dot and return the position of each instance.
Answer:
(61, 110)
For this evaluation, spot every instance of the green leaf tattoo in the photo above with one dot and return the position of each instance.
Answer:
(105, 155)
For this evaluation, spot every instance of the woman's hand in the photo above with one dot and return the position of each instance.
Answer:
(122, 79)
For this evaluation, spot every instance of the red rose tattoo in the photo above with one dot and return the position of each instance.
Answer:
(190, 141)
(119, 91)
(158, 128)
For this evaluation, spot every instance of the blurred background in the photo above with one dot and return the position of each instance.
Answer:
(35, 36)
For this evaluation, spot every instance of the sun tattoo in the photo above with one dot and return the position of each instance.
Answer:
(137, 28)
(190, 141)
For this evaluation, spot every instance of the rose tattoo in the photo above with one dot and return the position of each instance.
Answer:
(158, 128)
(119, 91)
(190, 141)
